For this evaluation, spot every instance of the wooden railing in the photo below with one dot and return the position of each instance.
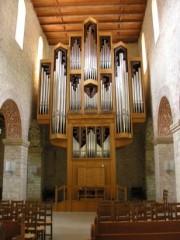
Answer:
(117, 192)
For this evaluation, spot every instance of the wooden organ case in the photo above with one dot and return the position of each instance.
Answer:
(91, 93)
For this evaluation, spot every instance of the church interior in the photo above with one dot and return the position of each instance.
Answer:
(89, 101)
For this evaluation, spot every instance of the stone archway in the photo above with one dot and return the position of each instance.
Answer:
(164, 118)
(15, 153)
(12, 119)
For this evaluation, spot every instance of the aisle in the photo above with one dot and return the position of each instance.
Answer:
(72, 225)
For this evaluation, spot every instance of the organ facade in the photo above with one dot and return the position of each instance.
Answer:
(90, 94)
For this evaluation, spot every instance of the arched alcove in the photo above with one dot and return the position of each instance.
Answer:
(10, 129)
(12, 119)
(164, 118)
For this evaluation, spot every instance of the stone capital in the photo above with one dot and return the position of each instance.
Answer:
(16, 142)
(163, 140)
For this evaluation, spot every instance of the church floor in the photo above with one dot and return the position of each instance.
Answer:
(72, 225)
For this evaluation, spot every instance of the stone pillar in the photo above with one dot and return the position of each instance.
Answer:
(164, 173)
(149, 162)
(15, 169)
(175, 128)
(35, 165)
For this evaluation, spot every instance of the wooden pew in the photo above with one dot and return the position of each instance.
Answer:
(152, 230)
(14, 229)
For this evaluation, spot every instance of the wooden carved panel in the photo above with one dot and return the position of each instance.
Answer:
(12, 119)
(164, 118)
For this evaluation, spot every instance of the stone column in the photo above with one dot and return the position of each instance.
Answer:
(35, 163)
(149, 162)
(175, 128)
(15, 169)
(164, 173)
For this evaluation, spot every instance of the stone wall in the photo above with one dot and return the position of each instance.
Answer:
(19, 81)
(164, 67)
(18, 68)
(130, 162)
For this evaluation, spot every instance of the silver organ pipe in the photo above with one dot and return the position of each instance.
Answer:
(75, 58)
(90, 55)
(75, 93)
(106, 94)
(106, 147)
(90, 102)
(59, 96)
(44, 89)
(122, 96)
(105, 54)
(96, 144)
(137, 91)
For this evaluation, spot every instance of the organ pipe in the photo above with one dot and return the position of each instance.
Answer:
(106, 93)
(90, 90)
(105, 53)
(75, 57)
(90, 52)
(59, 94)
(138, 105)
(75, 92)
(44, 89)
(96, 144)
(122, 94)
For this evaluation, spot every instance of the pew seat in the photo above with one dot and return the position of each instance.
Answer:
(13, 229)
(152, 230)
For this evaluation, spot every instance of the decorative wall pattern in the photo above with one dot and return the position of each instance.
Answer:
(34, 134)
(164, 118)
(12, 119)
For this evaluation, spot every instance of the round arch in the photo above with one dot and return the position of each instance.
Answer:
(12, 119)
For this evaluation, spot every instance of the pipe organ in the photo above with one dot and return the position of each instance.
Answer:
(44, 91)
(58, 118)
(75, 58)
(90, 50)
(137, 94)
(91, 142)
(91, 93)
(123, 121)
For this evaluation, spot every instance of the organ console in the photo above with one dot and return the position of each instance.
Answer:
(91, 93)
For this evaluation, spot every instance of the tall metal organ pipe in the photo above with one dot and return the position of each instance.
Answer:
(75, 58)
(105, 55)
(106, 96)
(59, 96)
(90, 56)
(75, 96)
(122, 96)
(44, 90)
(138, 105)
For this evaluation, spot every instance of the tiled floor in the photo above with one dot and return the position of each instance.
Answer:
(72, 225)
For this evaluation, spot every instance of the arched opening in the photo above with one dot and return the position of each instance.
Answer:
(164, 118)
(10, 128)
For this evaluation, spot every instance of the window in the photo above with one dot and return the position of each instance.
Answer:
(40, 48)
(144, 53)
(20, 24)
(155, 20)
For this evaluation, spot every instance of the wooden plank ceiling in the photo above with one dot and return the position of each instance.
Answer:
(61, 18)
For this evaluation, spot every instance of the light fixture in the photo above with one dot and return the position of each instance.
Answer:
(9, 166)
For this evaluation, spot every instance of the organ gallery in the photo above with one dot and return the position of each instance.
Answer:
(90, 94)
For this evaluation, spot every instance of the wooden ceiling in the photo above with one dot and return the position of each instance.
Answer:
(61, 18)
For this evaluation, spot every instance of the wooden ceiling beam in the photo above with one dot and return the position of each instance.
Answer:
(87, 13)
(51, 3)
